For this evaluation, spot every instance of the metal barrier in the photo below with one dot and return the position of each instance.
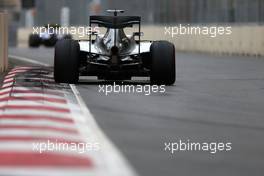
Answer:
(3, 41)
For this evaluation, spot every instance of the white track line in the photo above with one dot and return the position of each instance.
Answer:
(117, 164)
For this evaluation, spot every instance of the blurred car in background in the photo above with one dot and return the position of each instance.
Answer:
(47, 38)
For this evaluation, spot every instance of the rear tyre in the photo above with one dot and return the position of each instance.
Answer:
(162, 69)
(34, 40)
(66, 61)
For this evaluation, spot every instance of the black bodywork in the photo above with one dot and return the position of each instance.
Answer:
(119, 61)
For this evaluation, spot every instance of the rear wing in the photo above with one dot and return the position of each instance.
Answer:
(115, 22)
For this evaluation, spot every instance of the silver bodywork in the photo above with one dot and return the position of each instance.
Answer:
(115, 37)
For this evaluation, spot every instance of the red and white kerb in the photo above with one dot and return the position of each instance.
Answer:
(33, 109)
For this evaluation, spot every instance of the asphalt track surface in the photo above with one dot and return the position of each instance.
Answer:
(215, 99)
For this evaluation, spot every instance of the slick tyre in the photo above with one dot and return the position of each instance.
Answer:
(162, 69)
(66, 61)
(34, 40)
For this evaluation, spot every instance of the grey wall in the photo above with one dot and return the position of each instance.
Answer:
(48, 11)
(159, 11)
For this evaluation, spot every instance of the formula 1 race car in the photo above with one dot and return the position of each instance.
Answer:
(47, 37)
(115, 55)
